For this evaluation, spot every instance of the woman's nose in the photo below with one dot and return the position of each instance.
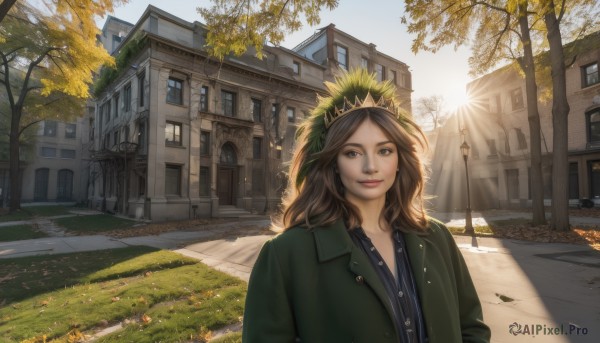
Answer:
(370, 166)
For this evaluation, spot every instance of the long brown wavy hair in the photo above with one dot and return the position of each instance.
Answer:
(318, 200)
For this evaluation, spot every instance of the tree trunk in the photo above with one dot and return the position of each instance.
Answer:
(528, 66)
(14, 159)
(5, 6)
(560, 113)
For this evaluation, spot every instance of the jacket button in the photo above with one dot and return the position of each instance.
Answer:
(360, 279)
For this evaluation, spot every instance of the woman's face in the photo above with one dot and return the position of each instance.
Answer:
(367, 164)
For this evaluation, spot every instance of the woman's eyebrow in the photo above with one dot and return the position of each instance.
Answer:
(360, 145)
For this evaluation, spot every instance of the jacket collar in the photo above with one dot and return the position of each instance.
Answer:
(332, 241)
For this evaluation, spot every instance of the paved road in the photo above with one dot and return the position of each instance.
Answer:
(539, 287)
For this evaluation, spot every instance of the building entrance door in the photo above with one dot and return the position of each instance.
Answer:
(225, 185)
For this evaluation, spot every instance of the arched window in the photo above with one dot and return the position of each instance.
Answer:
(64, 191)
(40, 188)
(593, 123)
(228, 154)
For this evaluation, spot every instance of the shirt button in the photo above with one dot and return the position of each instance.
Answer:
(400, 294)
(425, 269)
(399, 249)
(360, 279)
(421, 246)
(380, 263)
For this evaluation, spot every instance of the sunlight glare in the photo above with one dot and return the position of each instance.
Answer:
(459, 99)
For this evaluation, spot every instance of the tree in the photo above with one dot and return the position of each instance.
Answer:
(48, 56)
(553, 15)
(431, 108)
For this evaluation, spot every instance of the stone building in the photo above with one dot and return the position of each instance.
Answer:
(497, 129)
(179, 135)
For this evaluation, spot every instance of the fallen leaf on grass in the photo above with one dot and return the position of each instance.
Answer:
(39, 339)
(75, 336)
(146, 319)
(115, 299)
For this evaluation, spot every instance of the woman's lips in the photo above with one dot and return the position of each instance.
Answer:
(370, 183)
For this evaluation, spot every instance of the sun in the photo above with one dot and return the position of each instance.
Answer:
(459, 99)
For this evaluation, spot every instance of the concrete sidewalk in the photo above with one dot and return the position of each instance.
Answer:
(537, 287)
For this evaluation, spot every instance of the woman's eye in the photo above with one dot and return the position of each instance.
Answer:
(386, 151)
(351, 153)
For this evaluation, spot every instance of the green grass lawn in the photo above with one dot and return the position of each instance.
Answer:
(30, 212)
(91, 224)
(163, 296)
(19, 232)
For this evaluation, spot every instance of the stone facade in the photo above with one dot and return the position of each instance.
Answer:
(497, 129)
(180, 135)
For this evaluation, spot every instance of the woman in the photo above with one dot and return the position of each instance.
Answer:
(358, 259)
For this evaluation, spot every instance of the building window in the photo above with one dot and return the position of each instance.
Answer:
(107, 141)
(141, 138)
(175, 91)
(126, 133)
(291, 114)
(364, 63)
(67, 153)
(173, 179)
(64, 190)
(492, 148)
(204, 143)
(296, 68)
(48, 152)
(204, 181)
(406, 82)
(522, 141)
(512, 184)
(590, 74)
(393, 77)
(141, 91)
(40, 188)
(127, 98)
(116, 103)
(380, 71)
(516, 98)
(257, 110)
(342, 57)
(204, 99)
(228, 102)
(50, 128)
(257, 148)
(116, 140)
(70, 130)
(593, 123)
(173, 133)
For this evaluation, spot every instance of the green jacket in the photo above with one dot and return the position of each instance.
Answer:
(316, 286)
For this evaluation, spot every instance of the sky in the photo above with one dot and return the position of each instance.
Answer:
(444, 73)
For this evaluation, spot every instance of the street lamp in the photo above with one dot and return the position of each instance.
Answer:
(464, 149)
